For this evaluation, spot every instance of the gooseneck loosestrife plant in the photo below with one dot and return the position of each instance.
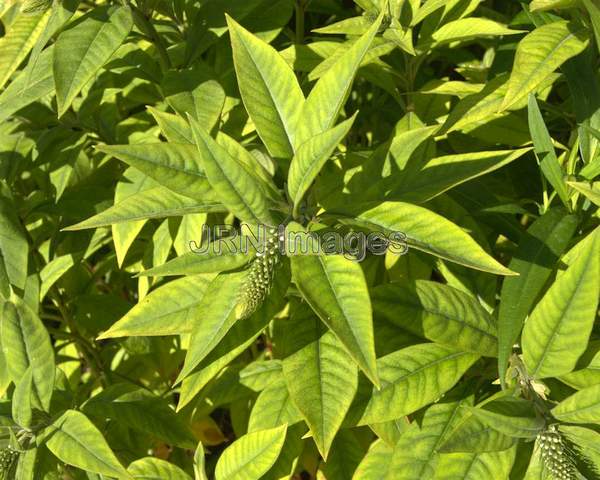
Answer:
(305, 239)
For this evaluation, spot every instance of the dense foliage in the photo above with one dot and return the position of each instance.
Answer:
(142, 142)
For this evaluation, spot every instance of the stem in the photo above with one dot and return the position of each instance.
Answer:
(84, 347)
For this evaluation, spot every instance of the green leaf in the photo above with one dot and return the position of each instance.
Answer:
(541, 5)
(269, 90)
(336, 290)
(151, 468)
(594, 11)
(310, 158)
(196, 93)
(581, 407)
(322, 380)
(468, 29)
(158, 202)
(238, 339)
(439, 313)
(168, 310)
(13, 243)
(428, 232)
(273, 408)
(21, 402)
(586, 440)
(592, 193)
(472, 435)
(17, 42)
(215, 315)
(173, 127)
(177, 166)
(22, 91)
(443, 173)
(539, 54)
(413, 377)
(427, 9)
(84, 48)
(375, 464)
(471, 466)
(26, 344)
(544, 151)
(504, 416)
(327, 97)
(538, 252)
(218, 256)
(199, 468)
(415, 454)
(251, 456)
(76, 441)
(241, 193)
(557, 332)
(140, 410)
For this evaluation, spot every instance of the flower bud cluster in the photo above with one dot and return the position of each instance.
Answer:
(261, 274)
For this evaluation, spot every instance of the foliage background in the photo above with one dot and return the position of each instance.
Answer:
(472, 126)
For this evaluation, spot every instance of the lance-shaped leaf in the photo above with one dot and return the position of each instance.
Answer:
(322, 380)
(581, 407)
(158, 202)
(468, 29)
(22, 412)
(177, 166)
(172, 126)
(269, 89)
(310, 158)
(336, 290)
(513, 417)
(443, 173)
(13, 242)
(142, 411)
(535, 258)
(375, 464)
(18, 41)
(542, 5)
(472, 435)
(196, 93)
(544, 151)
(218, 256)
(415, 454)
(76, 441)
(413, 377)
(151, 468)
(22, 91)
(241, 193)
(427, 9)
(251, 456)
(215, 315)
(557, 332)
(168, 310)
(273, 408)
(199, 463)
(327, 97)
(539, 54)
(84, 48)
(473, 466)
(591, 192)
(238, 339)
(439, 313)
(587, 441)
(26, 344)
(426, 231)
